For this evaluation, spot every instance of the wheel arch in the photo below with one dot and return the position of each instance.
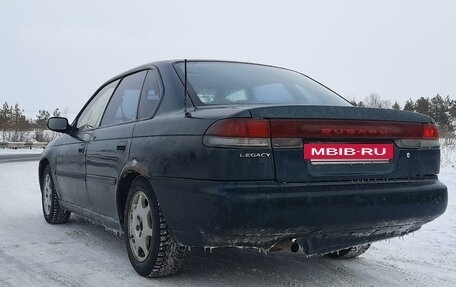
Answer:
(42, 165)
(125, 180)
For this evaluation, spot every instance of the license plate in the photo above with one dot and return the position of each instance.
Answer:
(348, 153)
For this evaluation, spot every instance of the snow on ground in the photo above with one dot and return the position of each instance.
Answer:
(8, 151)
(34, 253)
(448, 155)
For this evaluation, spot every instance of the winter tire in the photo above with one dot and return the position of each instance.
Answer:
(52, 211)
(152, 250)
(351, 252)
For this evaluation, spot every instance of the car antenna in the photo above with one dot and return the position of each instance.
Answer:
(187, 113)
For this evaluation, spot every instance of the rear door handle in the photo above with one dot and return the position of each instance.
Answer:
(81, 148)
(122, 146)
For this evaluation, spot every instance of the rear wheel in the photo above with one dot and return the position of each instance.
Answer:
(53, 213)
(351, 252)
(152, 250)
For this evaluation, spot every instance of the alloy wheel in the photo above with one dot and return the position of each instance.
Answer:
(47, 194)
(140, 226)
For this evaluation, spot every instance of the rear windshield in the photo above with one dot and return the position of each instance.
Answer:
(226, 83)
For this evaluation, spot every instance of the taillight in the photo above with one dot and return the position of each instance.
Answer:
(239, 133)
(430, 132)
(245, 132)
(344, 129)
(429, 138)
(289, 133)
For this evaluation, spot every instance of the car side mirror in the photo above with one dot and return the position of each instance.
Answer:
(58, 124)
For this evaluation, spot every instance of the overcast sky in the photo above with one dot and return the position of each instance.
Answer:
(57, 53)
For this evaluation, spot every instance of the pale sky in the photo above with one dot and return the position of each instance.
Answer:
(57, 53)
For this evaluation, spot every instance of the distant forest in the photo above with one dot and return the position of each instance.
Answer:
(16, 127)
(442, 110)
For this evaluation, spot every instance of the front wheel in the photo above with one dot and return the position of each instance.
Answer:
(53, 213)
(351, 252)
(152, 250)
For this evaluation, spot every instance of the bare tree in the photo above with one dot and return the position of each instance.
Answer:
(374, 101)
(357, 104)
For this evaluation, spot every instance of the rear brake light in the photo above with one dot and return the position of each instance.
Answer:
(289, 133)
(429, 138)
(344, 129)
(430, 132)
(248, 128)
(239, 133)
(245, 132)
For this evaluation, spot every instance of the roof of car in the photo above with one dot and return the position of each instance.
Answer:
(161, 63)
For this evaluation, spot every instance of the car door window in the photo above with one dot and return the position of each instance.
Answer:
(123, 105)
(150, 96)
(91, 116)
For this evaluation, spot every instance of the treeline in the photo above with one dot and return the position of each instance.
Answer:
(441, 109)
(16, 127)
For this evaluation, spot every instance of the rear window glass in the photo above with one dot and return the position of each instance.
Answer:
(225, 83)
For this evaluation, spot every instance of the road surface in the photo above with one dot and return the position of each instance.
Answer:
(34, 253)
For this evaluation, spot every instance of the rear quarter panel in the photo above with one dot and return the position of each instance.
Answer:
(171, 146)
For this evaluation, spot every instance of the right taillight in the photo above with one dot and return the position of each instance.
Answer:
(238, 132)
(429, 138)
(430, 132)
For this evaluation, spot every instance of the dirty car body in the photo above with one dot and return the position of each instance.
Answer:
(232, 170)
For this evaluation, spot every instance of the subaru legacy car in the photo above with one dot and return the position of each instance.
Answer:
(180, 154)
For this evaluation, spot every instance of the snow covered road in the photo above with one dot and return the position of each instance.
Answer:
(13, 155)
(34, 253)
(19, 157)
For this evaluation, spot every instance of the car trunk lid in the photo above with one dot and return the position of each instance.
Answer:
(322, 143)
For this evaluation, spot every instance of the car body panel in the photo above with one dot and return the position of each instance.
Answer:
(260, 214)
(70, 169)
(338, 113)
(107, 153)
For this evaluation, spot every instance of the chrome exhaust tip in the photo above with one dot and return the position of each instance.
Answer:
(287, 245)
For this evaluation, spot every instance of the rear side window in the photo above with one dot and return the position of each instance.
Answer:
(229, 83)
(150, 96)
(124, 103)
(91, 116)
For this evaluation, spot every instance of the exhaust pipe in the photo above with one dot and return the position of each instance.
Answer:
(286, 245)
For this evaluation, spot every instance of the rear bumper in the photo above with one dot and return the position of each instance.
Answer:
(324, 217)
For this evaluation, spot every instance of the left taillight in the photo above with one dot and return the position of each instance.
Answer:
(238, 132)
